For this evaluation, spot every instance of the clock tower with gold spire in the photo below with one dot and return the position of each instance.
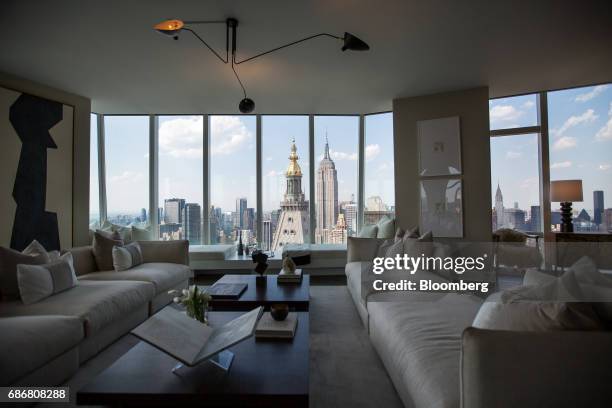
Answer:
(293, 222)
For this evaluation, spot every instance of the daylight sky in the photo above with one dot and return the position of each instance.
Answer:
(580, 139)
(580, 122)
(232, 160)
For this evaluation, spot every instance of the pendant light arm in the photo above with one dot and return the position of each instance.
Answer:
(226, 60)
(279, 48)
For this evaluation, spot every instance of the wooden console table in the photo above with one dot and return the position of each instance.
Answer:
(571, 246)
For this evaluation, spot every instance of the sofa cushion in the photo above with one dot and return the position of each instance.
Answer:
(29, 342)
(97, 304)
(368, 231)
(103, 249)
(354, 271)
(9, 259)
(386, 228)
(419, 341)
(164, 276)
(37, 282)
(127, 256)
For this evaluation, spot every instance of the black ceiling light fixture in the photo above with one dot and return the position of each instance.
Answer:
(174, 27)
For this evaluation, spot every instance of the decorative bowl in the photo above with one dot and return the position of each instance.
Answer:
(279, 311)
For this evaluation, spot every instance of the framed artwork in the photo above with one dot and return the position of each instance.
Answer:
(442, 207)
(36, 138)
(439, 143)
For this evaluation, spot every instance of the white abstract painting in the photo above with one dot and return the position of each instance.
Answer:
(442, 208)
(439, 147)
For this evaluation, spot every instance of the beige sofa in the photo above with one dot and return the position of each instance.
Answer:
(436, 360)
(83, 320)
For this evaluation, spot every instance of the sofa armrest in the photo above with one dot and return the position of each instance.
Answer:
(535, 369)
(83, 260)
(165, 251)
(362, 249)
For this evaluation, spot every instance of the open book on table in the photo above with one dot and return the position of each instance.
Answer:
(190, 341)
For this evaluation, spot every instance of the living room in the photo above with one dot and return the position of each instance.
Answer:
(234, 203)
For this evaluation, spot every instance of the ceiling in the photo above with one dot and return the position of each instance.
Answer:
(107, 51)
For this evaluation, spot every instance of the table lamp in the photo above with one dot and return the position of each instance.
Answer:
(566, 192)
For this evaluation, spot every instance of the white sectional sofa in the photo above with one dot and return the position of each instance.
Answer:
(436, 360)
(58, 333)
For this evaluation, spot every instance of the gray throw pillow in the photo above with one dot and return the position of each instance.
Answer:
(9, 259)
(37, 282)
(368, 231)
(126, 257)
(415, 247)
(103, 250)
(386, 228)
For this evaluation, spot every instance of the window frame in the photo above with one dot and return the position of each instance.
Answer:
(154, 167)
(541, 130)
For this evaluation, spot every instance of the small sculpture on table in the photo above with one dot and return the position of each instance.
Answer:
(260, 259)
(288, 265)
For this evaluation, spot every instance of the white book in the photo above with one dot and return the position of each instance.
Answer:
(270, 328)
(190, 341)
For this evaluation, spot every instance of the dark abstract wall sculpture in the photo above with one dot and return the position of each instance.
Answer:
(32, 118)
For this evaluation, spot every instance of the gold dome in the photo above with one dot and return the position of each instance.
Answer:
(294, 168)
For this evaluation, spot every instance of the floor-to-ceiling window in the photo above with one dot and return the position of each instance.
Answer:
(515, 181)
(580, 140)
(285, 181)
(180, 178)
(336, 177)
(94, 182)
(209, 187)
(379, 181)
(127, 169)
(233, 179)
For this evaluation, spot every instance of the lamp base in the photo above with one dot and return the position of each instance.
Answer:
(566, 217)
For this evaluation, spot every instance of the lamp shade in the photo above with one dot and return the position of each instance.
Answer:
(566, 190)
(353, 43)
(169, 27)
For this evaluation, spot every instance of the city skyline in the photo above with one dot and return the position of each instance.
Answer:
(580, 144)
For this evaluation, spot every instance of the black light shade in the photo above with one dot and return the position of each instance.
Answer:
(353, 43)
(246, 105)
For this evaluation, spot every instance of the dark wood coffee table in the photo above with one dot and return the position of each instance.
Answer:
(264, 373)
(296, 295)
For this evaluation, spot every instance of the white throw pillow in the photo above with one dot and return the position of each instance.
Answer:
(37, 282)
(386, 227)
(368, 231)
(530, 308)
(127, 256)
(533, 277)
(141, 234)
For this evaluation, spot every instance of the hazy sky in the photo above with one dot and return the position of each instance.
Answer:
(232, 160)
(580, 138)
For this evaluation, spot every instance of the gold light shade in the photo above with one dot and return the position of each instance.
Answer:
(169, 27)
(566, 191)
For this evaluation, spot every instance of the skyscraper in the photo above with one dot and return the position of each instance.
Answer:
(143, 215)
(499, 209)
(192, 223)
(326, 196)
(266, 240)
(293, 222)
(241, 206)
(535, 219)
(173, 210)
(598, 206)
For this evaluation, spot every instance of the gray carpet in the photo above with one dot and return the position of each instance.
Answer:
(345, 370)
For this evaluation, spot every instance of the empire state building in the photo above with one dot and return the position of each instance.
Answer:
(293, 222)
(326, 197)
